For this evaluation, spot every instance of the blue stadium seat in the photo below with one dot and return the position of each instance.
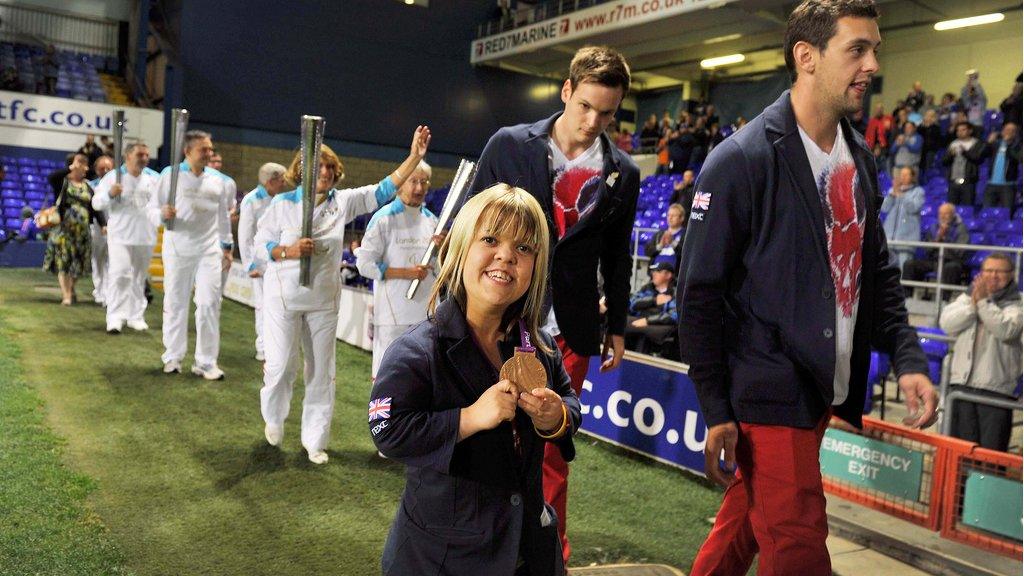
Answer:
(12, 203)
(965, 211)
(12, 212)
(995, 213)
(12, 223)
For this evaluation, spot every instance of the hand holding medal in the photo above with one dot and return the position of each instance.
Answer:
(543, 405)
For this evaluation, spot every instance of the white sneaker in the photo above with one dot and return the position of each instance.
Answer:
(274, 434)
(318, 457)
(260, 356)
(172, 367)
(208, 372)
(139, 325)
(114, 327)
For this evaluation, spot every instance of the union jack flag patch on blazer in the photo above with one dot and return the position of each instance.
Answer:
(380, 409)
(701, 201)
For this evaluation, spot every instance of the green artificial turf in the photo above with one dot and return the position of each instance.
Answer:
(171, 475)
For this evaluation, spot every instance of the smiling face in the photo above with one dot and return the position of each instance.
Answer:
(198, 153)
(589, 109)
(414, 190)
(843, 71)
(497, 271)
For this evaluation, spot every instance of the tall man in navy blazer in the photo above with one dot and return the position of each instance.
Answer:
(785, 285)
(588, 189)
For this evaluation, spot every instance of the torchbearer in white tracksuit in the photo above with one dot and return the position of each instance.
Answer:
(100, 255)
(231, 189)
(395, 240)
(131, 236)
(293, 313)
(252, 207)
(194, 254)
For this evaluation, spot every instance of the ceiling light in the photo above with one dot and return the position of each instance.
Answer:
(725, 38)
(410, 2)
(972, 21)
(722, 61)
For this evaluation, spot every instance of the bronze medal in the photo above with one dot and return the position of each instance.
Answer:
(523, 369)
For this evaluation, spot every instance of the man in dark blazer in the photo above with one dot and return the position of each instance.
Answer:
(785, 285)
(588, 189)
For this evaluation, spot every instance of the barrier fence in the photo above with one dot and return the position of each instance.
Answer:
(966, 493)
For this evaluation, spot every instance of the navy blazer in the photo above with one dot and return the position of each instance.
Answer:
(757, 309)
(519, 156)
(470, 507)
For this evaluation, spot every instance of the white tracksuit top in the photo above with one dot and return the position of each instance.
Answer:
(202, 224)
(253, 205)
(128, 218)
(397, 236)
(282, 224)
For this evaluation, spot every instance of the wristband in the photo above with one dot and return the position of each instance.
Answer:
(561, 428)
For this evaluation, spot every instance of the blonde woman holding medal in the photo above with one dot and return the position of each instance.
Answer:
(468, 399)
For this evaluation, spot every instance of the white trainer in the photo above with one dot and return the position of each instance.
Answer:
(274, 434)
(114, 327)
(318, 457)
(260, 356)
(211, 372)
(172, 367)
(139, 325)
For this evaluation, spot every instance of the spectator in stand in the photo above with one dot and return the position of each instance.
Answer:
(685, 120)
(877, 135)
(903, 207)
(700, 139)
(11, 81)
(50, 67)
(963, 156)
(949, 229)
(931, 139)
(987, 353)
(107, 146)
(916, 97)
(649, 133)
(1004, 149)
(948, 109)
(349, 272)
(670, 240)
(92, 151)
(682, 191)
(900, 117)
(1011, 105)
(907, 147)
(715, 136)
(666, 119)
(709, 113)
(973, 99)
(681, 144)
(652, 309)
(662, 150)
(624, 140)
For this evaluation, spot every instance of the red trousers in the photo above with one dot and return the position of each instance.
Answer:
(556, 471)
(776, 507)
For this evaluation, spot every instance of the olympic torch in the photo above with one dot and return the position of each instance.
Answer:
(118, 144)
(312, 139)
(456, 196)
(179, 125)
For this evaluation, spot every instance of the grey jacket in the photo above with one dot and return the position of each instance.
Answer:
(903, 220)
(994, 361)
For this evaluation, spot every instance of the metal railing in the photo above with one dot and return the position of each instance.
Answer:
(937, 284)
(65, 30)
(525, 16)
(951, 398)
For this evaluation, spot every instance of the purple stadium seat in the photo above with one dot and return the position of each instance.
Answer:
(12, 223)
(965, 211)
(12, 203)
(995, 213)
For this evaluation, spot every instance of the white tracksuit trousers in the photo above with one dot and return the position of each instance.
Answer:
(383, 336)
(100, 259)
(181, 273)
(257, 299)
(126, 282)
(283, 333)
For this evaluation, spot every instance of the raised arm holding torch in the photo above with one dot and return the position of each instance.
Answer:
(456, 196)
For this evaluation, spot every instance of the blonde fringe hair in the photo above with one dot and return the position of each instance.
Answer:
(505, 212)
(327, 157)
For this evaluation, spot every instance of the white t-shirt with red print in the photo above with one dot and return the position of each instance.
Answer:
(574, 186)
(839, 192)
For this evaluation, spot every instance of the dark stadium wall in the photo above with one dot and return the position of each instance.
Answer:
(374, 69)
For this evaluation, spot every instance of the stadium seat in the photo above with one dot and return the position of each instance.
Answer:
(995, 213)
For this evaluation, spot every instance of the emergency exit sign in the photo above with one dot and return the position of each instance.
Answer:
(872, 464)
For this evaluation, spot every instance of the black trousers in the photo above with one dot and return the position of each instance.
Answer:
(987, 426)
(960, 194)
(1000, 195)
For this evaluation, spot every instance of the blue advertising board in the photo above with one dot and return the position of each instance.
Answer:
(646, 405)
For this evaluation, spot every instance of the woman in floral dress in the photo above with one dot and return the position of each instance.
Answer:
(68, 246)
